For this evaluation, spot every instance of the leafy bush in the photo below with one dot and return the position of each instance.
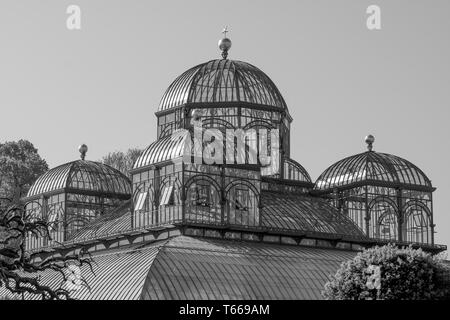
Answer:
(389, 272)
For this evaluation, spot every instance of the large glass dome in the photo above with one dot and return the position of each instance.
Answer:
(223, 80)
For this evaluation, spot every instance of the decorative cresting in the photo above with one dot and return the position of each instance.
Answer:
(82, 175)
(222, 81)
(373, 167)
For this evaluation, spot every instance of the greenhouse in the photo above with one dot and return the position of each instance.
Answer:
(185, 228)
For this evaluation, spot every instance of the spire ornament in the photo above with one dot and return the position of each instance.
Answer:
(83, 149)
(370, 139)
(225, 43)
(225, 31)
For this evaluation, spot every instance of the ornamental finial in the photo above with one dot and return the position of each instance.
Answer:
(225, 43)
(370, 139)
(83, 149)
(225, 31)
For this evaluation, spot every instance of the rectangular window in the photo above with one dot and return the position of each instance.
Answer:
(144, 176)
(167, 196)
(242, 199)
(52, 216)
(170, 118)
(201, 196)
(140, 203)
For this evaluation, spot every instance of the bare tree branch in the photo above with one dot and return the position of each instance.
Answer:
(20, 271)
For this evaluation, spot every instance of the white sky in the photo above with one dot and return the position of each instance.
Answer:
(101, 85)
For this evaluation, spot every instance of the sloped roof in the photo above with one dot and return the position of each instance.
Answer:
(115, 221)
(200, 269)
(296, 212)
(118, 275)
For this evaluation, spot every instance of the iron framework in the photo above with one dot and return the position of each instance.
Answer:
(222, 80)
(388, 197)
(71, 195)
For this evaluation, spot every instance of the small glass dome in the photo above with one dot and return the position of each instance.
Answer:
(82, 175)
(373, 167)
(222, 80)
(69, 196)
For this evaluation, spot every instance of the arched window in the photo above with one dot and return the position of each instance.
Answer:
(383, 219)
(242, 204)
(203, 202)
(418, 223)
(262, 139)
(387, 227)
(55, 219)
(355, 209)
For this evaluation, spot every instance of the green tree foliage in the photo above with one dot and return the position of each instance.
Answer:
(20, 166)
(390, 273)
(122, 161)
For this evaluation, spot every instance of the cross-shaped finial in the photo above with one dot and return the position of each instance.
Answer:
(224, 31)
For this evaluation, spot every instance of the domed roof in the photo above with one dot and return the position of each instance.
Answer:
(83, 175)
(168, 148)
(375, 168)
(222, 80)
(295, 171)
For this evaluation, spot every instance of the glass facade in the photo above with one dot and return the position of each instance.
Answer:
(369, 195)
(70, 196)
(388, 197)
(185, 228)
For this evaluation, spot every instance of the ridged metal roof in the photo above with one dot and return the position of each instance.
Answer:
(201, 269)
(115, 221)
(372, 166)
(287, 211)
(222, 81)
(164, 149)
(118, 275)
(82, 175)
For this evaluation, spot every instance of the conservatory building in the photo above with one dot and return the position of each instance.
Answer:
(216, 208)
